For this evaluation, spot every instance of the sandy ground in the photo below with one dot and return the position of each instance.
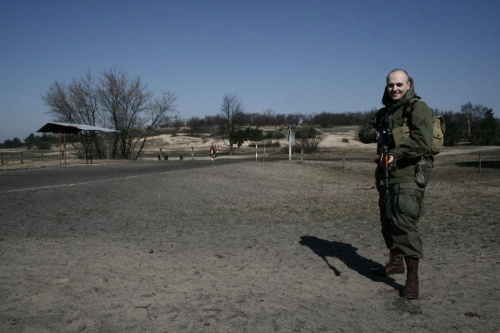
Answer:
(252, 247)
(180, 141)
(344, 138)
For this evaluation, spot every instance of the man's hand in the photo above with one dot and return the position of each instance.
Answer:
(391, 159)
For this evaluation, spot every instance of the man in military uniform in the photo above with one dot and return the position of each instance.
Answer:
(410, 162)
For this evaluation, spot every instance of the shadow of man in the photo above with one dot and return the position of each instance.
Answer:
(349, 255)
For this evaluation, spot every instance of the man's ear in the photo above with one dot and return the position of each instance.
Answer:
(410, 81)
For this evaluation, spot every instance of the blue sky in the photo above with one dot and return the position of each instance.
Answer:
(290, 56)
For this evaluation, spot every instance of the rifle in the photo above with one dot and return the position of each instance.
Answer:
(385, 143)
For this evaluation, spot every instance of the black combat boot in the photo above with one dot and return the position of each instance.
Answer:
(410, 291)
(394, 266)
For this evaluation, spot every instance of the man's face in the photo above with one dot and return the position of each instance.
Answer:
(398, 85)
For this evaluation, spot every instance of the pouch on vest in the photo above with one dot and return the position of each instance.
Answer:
(400, 134)
(423, 170)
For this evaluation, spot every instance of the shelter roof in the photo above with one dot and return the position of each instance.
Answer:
(69, 128)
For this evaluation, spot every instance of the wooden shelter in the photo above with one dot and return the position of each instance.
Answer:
(63, 129)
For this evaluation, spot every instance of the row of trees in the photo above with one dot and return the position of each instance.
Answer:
(475, 124)
(40, 142)
(210, 124)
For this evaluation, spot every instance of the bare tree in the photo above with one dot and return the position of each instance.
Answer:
(294, 119)
(114, 101)
(159, 112)
(128, 104)
(231, 111)
(195, 125)
(78, 103)
(269, 116)
(473, 115)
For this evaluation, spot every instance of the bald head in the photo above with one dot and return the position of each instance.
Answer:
(399, 72)
(398, 84)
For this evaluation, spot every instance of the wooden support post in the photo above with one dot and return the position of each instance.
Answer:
(301, 154)
(60, 149)
(64, 136)
(479, 162)
(343, 162)
(86, 148)
(89, 153)
(22, 158)
(192, 153)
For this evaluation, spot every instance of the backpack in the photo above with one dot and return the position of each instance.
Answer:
(438, 131)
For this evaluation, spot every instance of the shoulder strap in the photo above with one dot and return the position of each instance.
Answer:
(408, 109)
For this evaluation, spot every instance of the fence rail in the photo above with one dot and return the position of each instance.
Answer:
(27, 156)
(32, 156)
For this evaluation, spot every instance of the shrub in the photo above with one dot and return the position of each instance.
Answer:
(275, 135)
(268, 143)
(44, 145)
(273, 144)
(309, 138)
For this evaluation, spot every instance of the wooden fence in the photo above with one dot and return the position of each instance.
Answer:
(30, 156)
(27, 156)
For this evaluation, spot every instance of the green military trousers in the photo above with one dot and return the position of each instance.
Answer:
(401, 232)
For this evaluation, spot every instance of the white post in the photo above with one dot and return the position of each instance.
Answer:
(256, 156)
(289, 143)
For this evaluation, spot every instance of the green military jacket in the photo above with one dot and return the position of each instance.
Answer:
(412, 142)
